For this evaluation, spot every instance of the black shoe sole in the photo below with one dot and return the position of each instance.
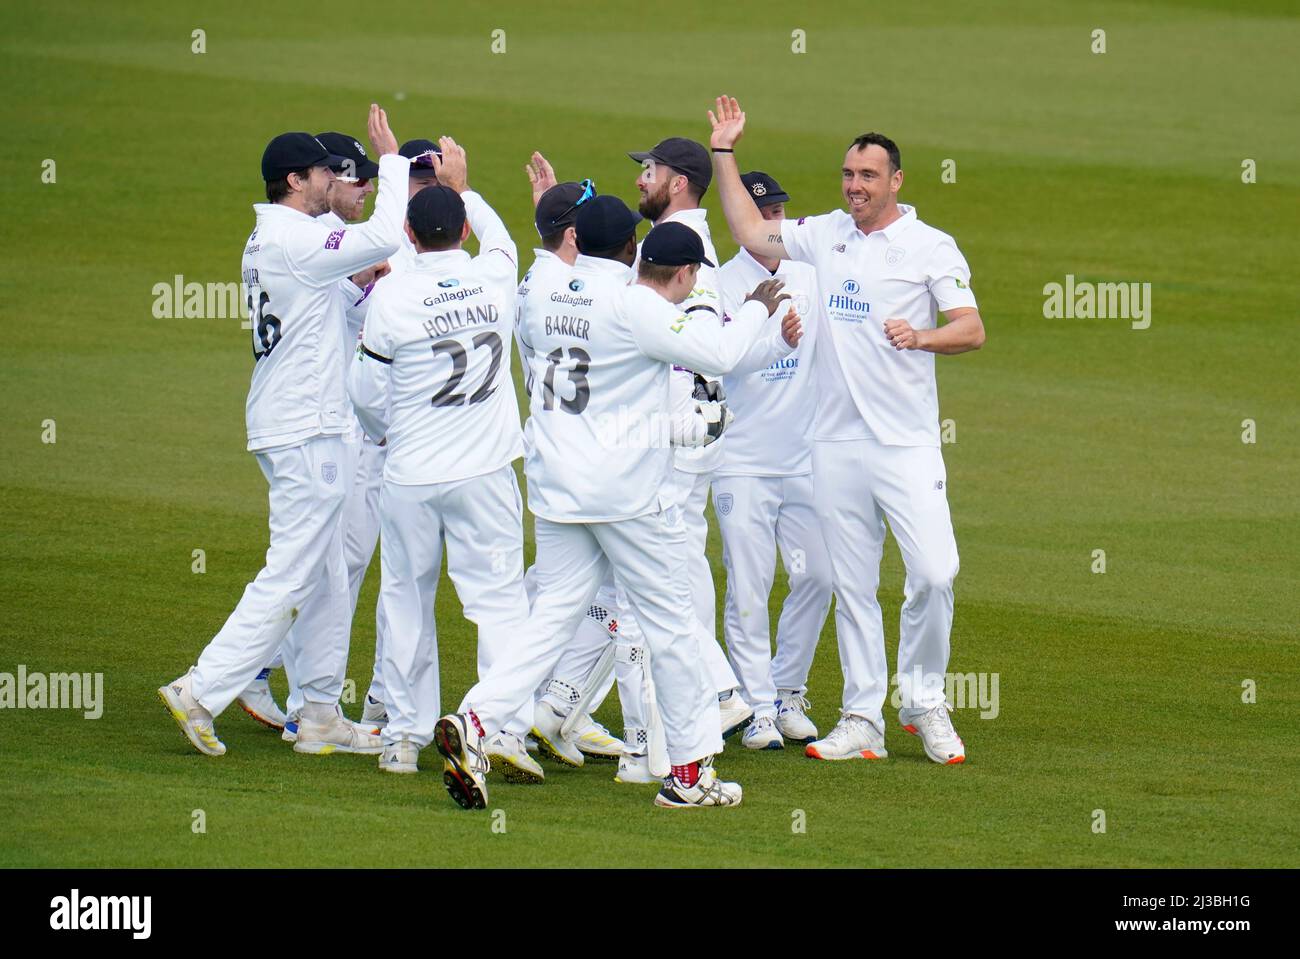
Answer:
(460, 785)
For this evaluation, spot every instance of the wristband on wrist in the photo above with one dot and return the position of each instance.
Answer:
(723, 150)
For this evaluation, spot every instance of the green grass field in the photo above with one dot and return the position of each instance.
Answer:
(1120, 691)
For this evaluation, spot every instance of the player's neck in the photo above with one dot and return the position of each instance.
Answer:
(677, 204)
(771, 264)
(886, 217)
(295, 201)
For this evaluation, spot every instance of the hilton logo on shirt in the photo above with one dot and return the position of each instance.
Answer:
(846, 306)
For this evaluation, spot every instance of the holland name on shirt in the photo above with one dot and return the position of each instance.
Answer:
(460, 318)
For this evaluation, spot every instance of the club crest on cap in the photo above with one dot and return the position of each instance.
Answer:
(759, 189)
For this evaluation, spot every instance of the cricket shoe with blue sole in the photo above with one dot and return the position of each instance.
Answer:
(551, 743)
(792, 717)
(853, 737)
(374, 713)
(195, 721)
(258, 702)
(459, 738)
(762, 734)
(707, 791)
(938, 738)
(507, 754)
(290, 732)
(736, 713)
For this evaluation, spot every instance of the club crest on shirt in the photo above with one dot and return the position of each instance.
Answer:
(329, 472)
(894, 255)
(725, 502)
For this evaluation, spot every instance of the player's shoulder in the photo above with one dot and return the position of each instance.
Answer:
(835, 221)
(928, 236)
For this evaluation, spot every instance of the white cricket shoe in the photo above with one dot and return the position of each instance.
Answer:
(852, 738)
(595, 742)
(791, 717)
(332, 732)
(400, 757)
(374, 713)
(736, 713)
(941, 742)
(708, 790)
(635, 769)
(546, 730)
(459, 738)
(762, 734)
(507, 753)
(258, 702)
(195, 721)
(290, 731)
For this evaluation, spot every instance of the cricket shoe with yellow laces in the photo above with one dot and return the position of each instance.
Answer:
(195, 721)
(940, 740)
(459, 737)
(508, 755)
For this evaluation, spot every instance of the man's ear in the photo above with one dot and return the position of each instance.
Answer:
(571, 236)
(464, 231)
(898, 181)
(410, 234)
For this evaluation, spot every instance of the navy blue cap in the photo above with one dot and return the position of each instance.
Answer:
(558, 206)
(604, 222)
(673, 244)
(417, 151)
(356, 163)
(291, 152)
(436, 211)
(763, 189)
(685, 156)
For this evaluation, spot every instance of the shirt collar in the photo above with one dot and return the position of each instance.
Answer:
(280, 210)
(599, 264)
(745, 255)
(894, 230)
(441, 259)
(541, 256)
(697, 219)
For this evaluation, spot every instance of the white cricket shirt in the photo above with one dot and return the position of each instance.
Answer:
(775, 406)
(292, 266)
(601, 407)
(908, 271)
(432, 374)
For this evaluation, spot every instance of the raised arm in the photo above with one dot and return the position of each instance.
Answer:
(496, 249)
(748, 228)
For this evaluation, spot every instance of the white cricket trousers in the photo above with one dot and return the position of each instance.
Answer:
(303, 584)
(481, 521)
(648, 556)
(694, 489)
(859, 484)
(755, 515)
(360, 535)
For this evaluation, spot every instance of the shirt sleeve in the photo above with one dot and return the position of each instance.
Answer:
(800, 237)
(948, 277)
(498, 258)
(370, 375)
(320, 255)
(664, 332)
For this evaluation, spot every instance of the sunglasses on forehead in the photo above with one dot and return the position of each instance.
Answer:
(588, 191)
(354, 181)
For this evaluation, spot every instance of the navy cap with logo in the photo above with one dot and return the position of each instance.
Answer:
(604, 223)
(673, 244)
(291, 152)
(763, 189)
(685, 156)
(418, 152)
(436, 212)
(357, 162)
(558, 206)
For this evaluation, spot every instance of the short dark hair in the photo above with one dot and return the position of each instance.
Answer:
(553, 241)
(656, 273)
(882, 141)
(277, 190)
(434, 242)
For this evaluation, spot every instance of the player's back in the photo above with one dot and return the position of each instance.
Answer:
(299, 335)
(600, 417)
(447, 321)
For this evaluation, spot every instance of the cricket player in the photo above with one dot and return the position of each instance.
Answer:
(353, 181)
(432, 375)
(598, 467)
(674, 177)
(763, 496)
(297, 418)
(884, 277)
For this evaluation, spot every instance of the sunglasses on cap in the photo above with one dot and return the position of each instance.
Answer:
(354, 181)
(588, 192)
(425, 159)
